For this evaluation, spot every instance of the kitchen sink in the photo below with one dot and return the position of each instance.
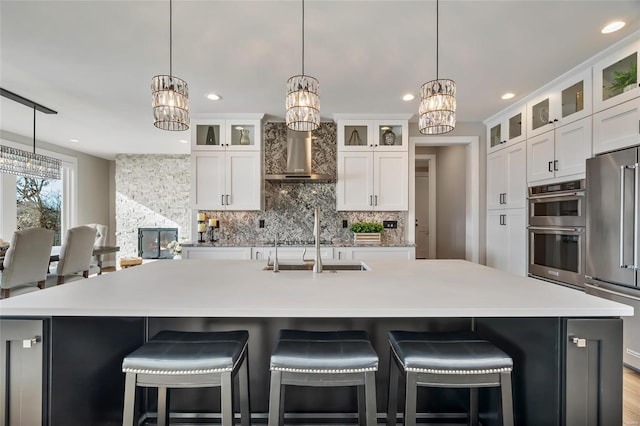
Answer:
(326, 266)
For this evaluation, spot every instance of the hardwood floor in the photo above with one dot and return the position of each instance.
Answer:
(631, 398)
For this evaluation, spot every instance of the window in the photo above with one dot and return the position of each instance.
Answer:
(17, 213)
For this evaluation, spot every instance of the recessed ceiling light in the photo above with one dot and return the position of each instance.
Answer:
(613, 27)
(508, 95)
(408, 97)
(184, 141)
(74, 140)
(214, 96)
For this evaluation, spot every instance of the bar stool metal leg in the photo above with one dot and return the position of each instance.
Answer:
(507, 399)
(275, 396)
(129, 399)
(245, 400)
(163, 406)
(370, 396)
(392, 401)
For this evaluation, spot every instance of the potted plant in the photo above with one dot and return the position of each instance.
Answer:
(367, 232)
(175, 247)
(625, 80)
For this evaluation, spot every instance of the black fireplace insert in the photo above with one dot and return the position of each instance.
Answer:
(152, 242)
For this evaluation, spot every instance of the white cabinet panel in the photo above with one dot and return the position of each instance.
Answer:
(208, 180)
(609, 75)
(559, 153)
(507, 240)
(390, 181)
(506, 178)
(297, 253)
(572, 148)
(354, 187)
(243, 181)
(617, 127)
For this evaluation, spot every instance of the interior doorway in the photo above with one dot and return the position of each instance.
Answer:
(425, 206)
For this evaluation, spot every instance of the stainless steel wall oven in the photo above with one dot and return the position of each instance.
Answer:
(557, 239)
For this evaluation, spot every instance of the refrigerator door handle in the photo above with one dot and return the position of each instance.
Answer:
(622, 193)
(636, 218)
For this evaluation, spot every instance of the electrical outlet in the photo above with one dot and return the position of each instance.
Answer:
(345, 223)
(390, 224)
(261, 223)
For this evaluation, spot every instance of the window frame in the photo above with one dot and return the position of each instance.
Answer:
(8, 196)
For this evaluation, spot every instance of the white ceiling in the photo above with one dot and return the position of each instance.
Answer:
(92, 61)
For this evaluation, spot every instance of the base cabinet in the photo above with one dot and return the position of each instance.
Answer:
(374, 253)
(228, 253)
(21, 372)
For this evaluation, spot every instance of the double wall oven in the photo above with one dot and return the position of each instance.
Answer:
(557, 239)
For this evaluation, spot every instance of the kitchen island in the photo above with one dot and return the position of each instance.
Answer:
(566, 345)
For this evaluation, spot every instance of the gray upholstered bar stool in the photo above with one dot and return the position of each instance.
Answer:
(177, 359)
(452, 360)
(323, 358)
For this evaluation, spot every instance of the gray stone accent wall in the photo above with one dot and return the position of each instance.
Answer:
(151, 191)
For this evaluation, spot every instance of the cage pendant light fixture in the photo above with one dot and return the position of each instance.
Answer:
(303, 98)
(437, 111)
(24, 163)
(170, 95)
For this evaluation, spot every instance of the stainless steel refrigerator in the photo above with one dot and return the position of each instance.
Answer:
(613, 237)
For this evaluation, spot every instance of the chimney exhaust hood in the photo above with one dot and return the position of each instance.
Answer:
(299, 161)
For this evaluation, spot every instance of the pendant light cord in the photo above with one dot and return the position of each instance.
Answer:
(437, 34)
(302, 37)
(34, 129)
(170, 38)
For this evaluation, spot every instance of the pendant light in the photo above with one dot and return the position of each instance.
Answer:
(303, 98)
(170, 95)
(437, 113)
(24, 163)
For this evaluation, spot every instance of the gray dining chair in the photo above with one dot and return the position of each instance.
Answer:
(75, 256)
(101, 240)
(26, 262)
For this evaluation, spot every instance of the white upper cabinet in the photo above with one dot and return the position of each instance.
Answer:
(508, 129)
(559, 153)
(564, 103)
(373, 165)
(617, 127)
(243, 133)
(615, 78)
(226, 163)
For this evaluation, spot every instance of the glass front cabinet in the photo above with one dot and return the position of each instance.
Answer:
(615, 78)
(221, 134)
(507, 130)
(364, 135)
(564, 103)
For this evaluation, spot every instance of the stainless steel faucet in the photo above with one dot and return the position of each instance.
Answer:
(317, 262)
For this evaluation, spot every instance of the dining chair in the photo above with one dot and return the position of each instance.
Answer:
(101, 240)
(26, 262)
(75, 256)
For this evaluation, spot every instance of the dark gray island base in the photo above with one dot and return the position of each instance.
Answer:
(556, 380)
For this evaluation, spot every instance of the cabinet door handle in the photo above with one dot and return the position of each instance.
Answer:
(503, 219)
(555, 165)
(28, 343)
(371, 200)
(222, 199)
(550, 166)
(375, 198)
(227, 198)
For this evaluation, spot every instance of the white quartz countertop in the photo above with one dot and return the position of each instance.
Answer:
(240, 288)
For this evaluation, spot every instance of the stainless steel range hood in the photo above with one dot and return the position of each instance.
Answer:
(299, 161)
